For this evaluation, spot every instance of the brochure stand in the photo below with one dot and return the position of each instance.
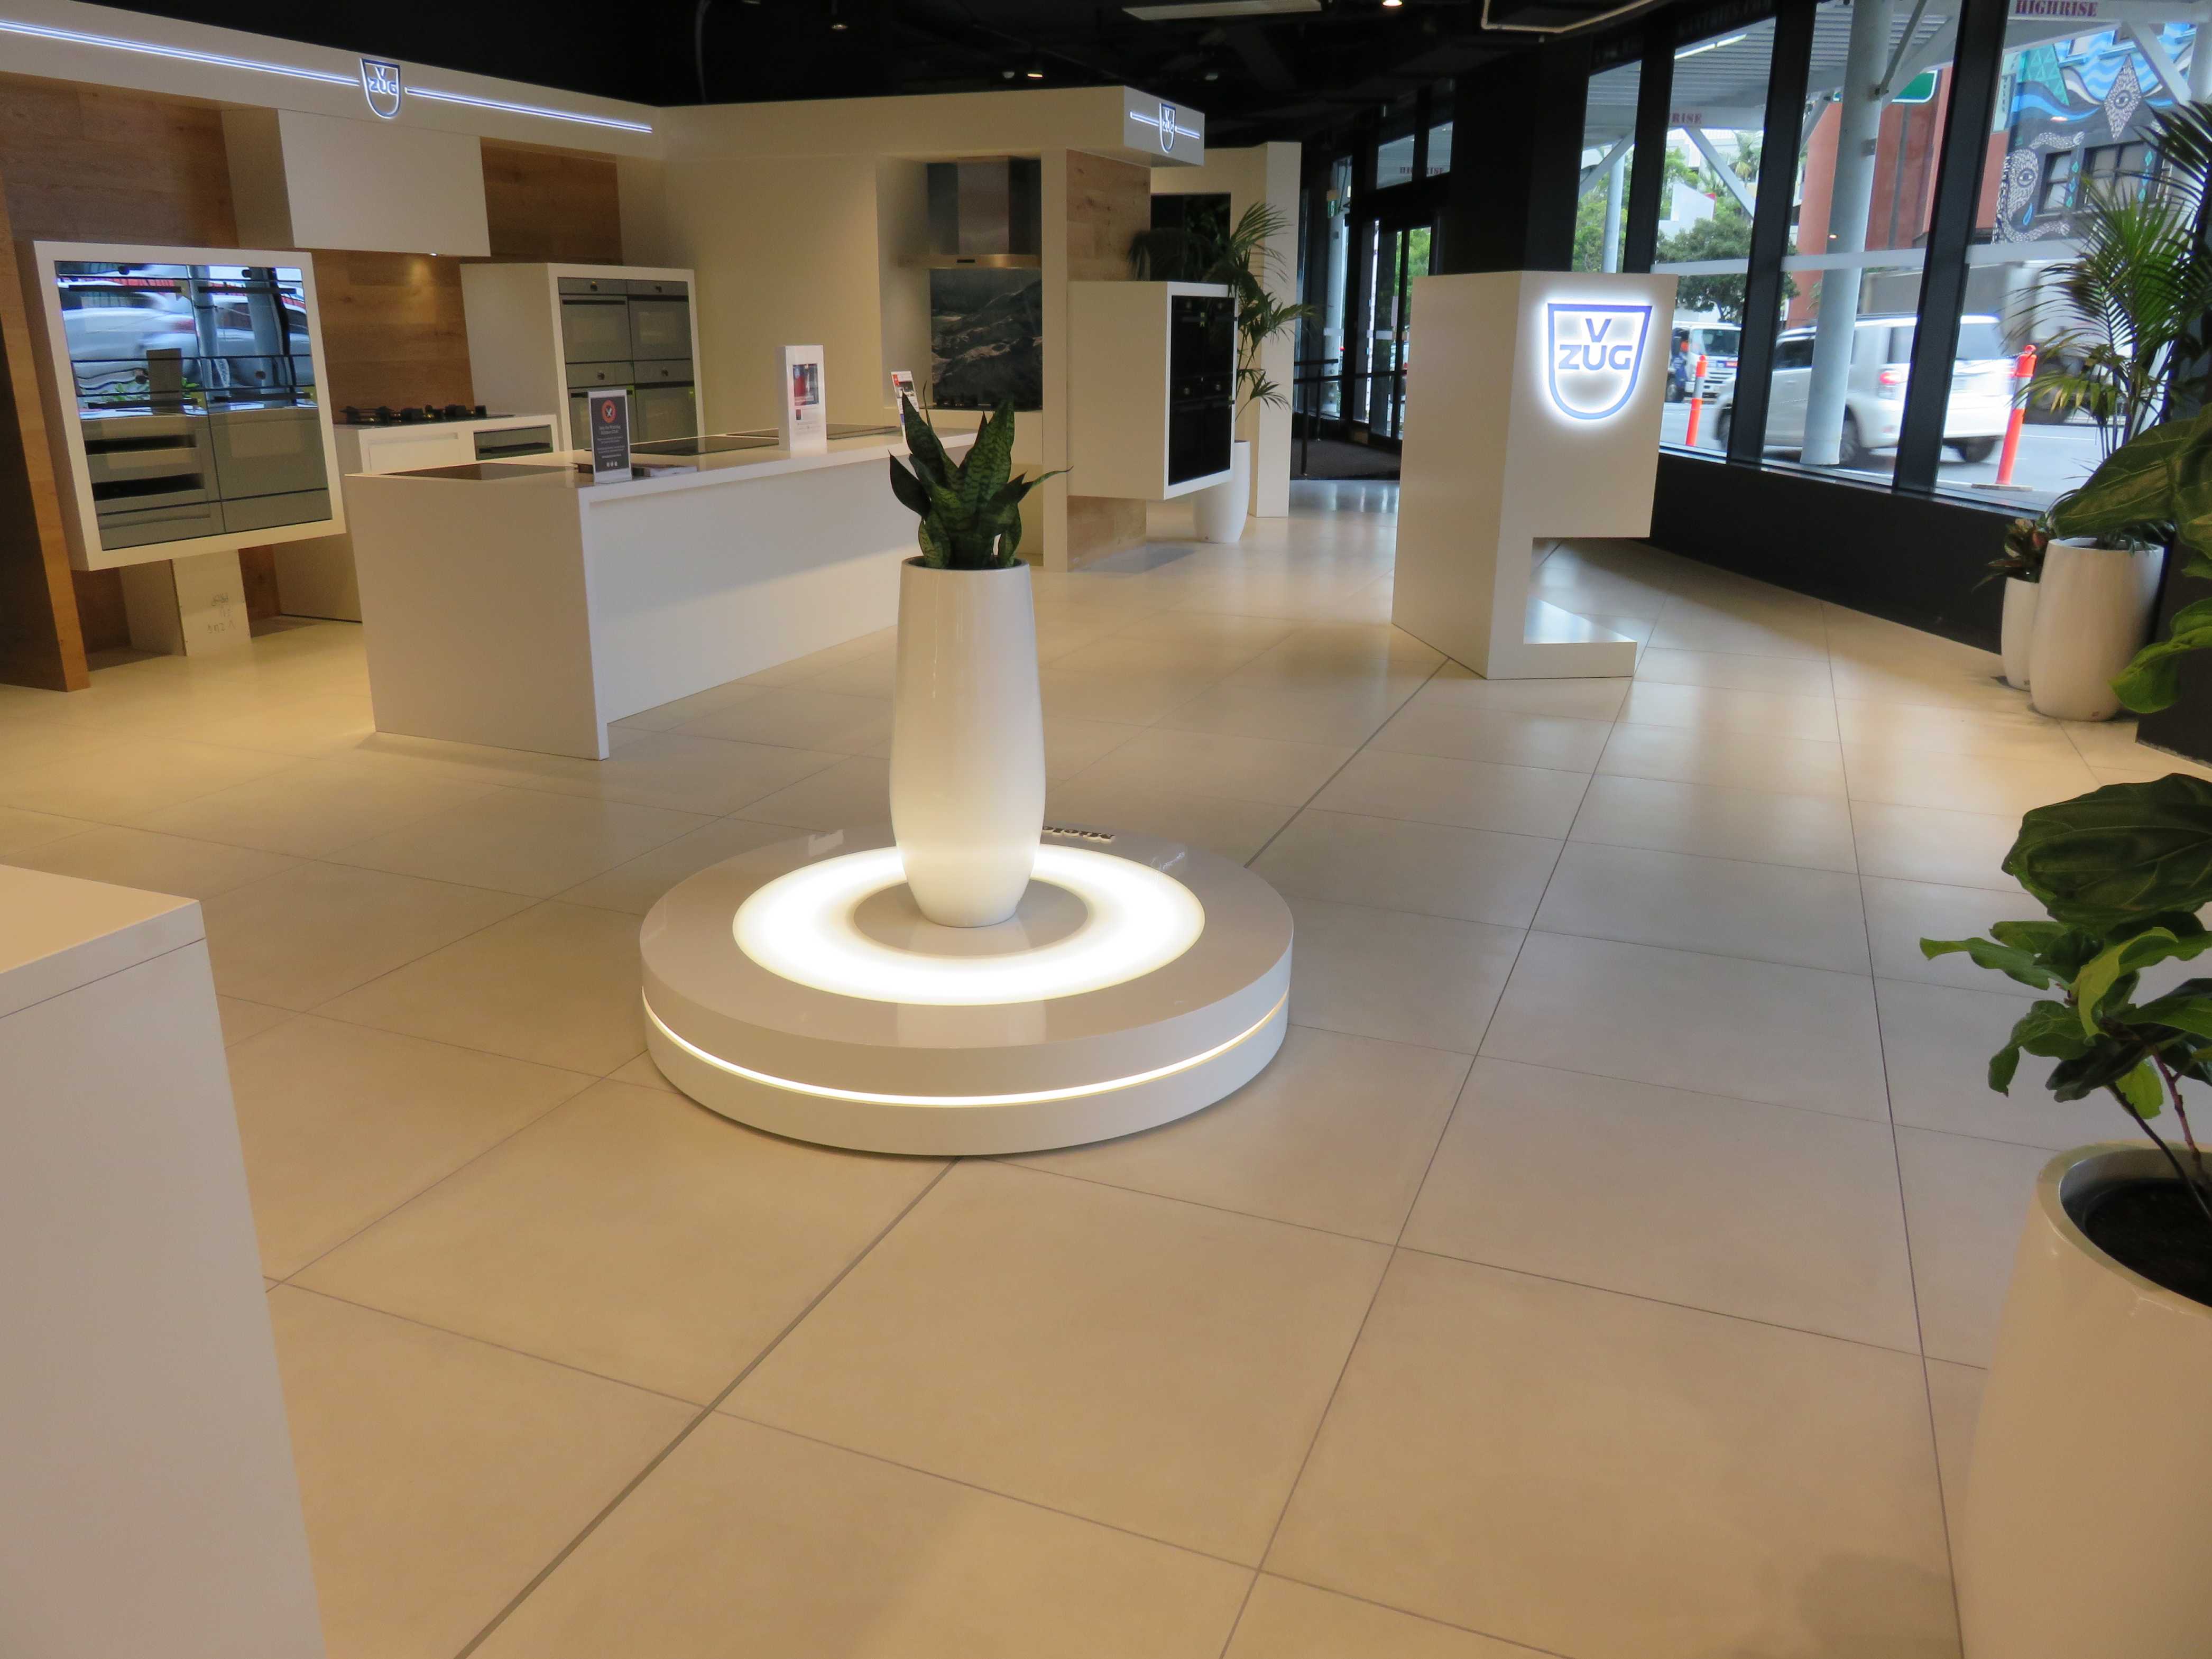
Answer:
(805, 405)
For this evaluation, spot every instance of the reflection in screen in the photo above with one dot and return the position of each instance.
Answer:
(177, 337)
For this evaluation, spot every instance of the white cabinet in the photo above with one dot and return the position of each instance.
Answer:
(1151, 386)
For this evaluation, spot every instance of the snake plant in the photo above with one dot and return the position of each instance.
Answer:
(971, 509)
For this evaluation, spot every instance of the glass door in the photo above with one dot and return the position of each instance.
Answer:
(1394, 251)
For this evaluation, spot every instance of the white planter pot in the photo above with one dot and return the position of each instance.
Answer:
(967, 741)
(1220, 509)
(2018, 630)
(2087, 1534)
(2092, 615)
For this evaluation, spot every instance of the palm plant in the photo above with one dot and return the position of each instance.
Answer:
(1240, 257)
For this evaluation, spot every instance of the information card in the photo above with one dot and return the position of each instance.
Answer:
(805, 413)
(610, 413)
(902, 391)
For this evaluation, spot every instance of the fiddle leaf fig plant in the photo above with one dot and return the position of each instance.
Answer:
(971, 509)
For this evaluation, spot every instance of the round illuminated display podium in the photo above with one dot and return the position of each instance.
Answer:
(798, 989)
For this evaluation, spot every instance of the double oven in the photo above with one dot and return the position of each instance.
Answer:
(1201, 384)
(635, 334)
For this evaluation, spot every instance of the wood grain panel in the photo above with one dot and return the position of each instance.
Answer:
(1101, 524)
(559, 205)
(1109, 203)
(393, 328)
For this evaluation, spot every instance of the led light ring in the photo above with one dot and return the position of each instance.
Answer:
(800, 926)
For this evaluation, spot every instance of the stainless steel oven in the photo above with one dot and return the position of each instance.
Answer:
(595, 327)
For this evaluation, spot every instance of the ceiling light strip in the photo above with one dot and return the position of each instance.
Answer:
(1032, 1097)
(290, 71)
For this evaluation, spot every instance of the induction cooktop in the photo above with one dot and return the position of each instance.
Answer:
(716, 444)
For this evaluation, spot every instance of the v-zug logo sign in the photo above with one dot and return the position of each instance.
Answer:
(379, 84)
(1595, 353)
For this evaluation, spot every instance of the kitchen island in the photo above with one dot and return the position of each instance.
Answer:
(519, 604)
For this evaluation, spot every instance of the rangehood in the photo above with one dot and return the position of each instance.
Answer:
(984, 213)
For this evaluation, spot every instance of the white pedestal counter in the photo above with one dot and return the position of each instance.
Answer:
(151, 1504)
(519, 604)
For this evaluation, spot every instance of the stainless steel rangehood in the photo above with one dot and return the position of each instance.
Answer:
(985, 213)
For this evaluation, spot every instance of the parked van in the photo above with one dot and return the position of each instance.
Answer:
(1873, 395)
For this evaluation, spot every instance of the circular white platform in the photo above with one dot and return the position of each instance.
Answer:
(797, 988)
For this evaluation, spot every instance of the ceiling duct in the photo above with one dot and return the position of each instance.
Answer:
(985, 212)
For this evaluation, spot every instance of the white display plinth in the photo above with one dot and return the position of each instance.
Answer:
(1532, 413)
(797, 988)
(151, 1506)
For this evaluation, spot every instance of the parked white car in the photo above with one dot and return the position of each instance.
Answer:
(1874, 396)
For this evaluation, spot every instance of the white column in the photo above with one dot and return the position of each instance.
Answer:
(1615, 179)
(1851, 198)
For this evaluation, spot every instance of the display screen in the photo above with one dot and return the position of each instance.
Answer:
(986, 339)
(179, 336)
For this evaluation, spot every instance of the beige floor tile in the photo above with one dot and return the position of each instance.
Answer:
(872, 675)
(520, 841)
(1439, 721)
(1234, 829)
(1288, 1620)
(21, 831)
(1614, 1478)
(1334, 1134)
(670, 716)
(1719, 708)
(1071, 745)
(2004, 785)
(1348, 714)
(1209, 763)
(1791, 1036)
(2147, 772)
(131, 782)
(1966, 1201)
(1937, 1042)
(158, 863)
(799, 717)
(643, 1072)
(1769, 911)
(1814, 831)
(1588, 1179)
(1900, 914)
(242, 1019)
(299, 938)
(1154, 1366)
(438, 1474)
(787, 1546)
(636, 886)
(1521, 800)
(1119, 658)
(1792, 676)
(1397, 975)
(1733, 760)
(1134, 698)
(315, 808)
(342, 1124)
(629, 1233)
(1687, 627)
(1954, 1399)
(556, 984)
(687, 774)
(1436, 869)
(1921, 843)
(854, 793)
(2014, 734)
(1582, 699)
(1212, 628)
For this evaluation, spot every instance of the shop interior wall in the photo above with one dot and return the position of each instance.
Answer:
(1109, 203)
(83, 163)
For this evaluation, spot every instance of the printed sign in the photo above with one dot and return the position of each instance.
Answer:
(1594, 354)
(806, 409)
(2070, 11)
(609, 443)
(379, 84)
(902, 390)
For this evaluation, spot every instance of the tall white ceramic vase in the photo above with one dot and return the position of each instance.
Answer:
(2092, 615)
(2017, 632)
(1220, 509)
(967, 741)
(2087, 1531)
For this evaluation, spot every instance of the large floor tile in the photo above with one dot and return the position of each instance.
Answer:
(1336, 714)
(750, 1536)
(1937, 1042)
(1733, 760)
(1441, 721)
(1720, 709)
(132, 782)
(1770, 912)
(854, 793)
(558, 984)
(1396, 973)
(1234, 829)
(158, 863)
(1611, 1478)
(1923, 843)
(1285, 1619)
(439, 1475)
(1814, 831)
(637, 885)
(521, 840)
(1966, 1201)
(1334, 1134)
(629, 1233)
(2002, 785)
(688, 774)
(302, 937)
(1590, 1179)
(1155, 1365)
(1581, 700)
(1955, 1400)
(1900, 914)
(1792, 1037)
(798, 717)
(1729, 670)
(2014, 734)
(242, 1019)
(1521, 800)
(342, 1124)
(316, 808)
(1209, 763)
(21, 831)
(1436, 869)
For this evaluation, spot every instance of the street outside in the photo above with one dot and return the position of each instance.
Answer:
(2051, 458)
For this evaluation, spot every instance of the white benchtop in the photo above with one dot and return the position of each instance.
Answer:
(58, 933)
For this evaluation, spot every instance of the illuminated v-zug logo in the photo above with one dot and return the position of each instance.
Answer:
(379, 84)
(1167, 126)
(1593, 355)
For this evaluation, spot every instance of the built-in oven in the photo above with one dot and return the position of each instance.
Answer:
(595, 326)
(661, 409)
(660, 323)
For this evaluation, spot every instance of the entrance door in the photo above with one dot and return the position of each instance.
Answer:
(1395, 251)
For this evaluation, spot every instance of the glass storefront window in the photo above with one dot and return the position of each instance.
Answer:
(1324, 332)
(1393, 162)
(1440, 137)
(1715, 142)
(1609, 165)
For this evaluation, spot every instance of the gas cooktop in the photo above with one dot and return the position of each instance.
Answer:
(412, 415)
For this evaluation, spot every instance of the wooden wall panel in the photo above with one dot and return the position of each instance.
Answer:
(559, 206)
(393, 330)
(1109, 203)
(1101, 524)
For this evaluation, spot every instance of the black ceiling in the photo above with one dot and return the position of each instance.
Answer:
(1295, 76)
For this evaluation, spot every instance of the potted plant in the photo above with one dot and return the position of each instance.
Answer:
(1241, 259)
(967, 723)
(2021, 568)
(2088, 1527)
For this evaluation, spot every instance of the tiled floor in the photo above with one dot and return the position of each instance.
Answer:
(1603, 1269)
